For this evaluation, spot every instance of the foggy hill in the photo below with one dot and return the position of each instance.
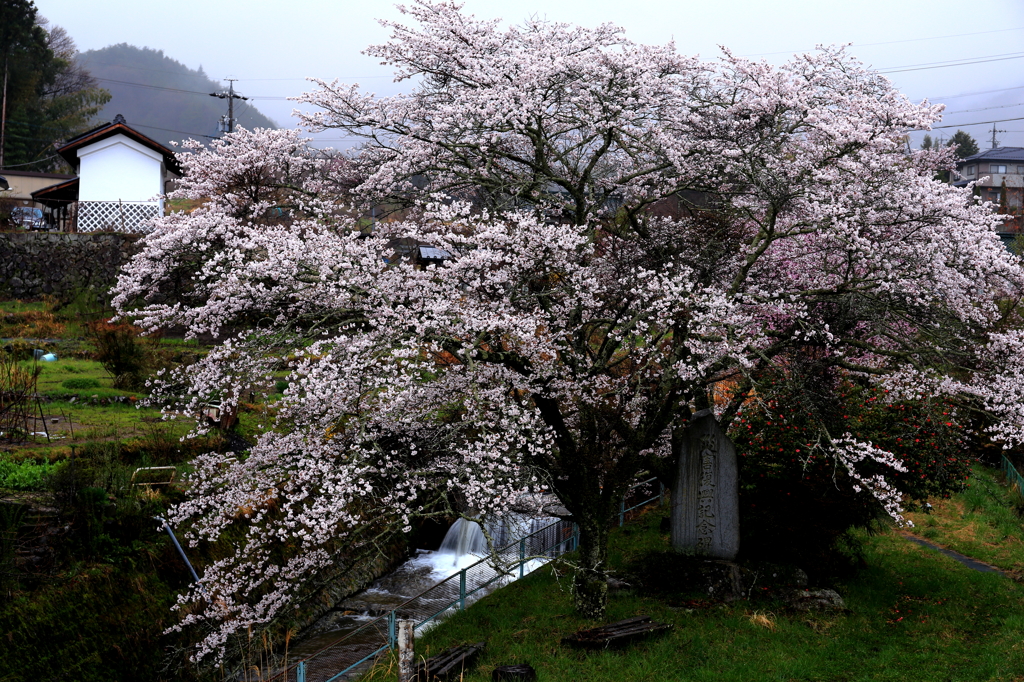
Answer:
(165, 100)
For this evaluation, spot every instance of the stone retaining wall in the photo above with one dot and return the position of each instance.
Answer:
(34, 264)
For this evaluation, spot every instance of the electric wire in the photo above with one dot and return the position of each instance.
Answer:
(893, 42)
(29, 163)
(979, 123)
(944, 65)
(969, 111)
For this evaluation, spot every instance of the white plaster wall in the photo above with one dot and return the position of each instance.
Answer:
(119, 169)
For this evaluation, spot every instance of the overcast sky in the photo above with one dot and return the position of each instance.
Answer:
(271, 47)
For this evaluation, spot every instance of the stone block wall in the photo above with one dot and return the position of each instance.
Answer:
(34, 264)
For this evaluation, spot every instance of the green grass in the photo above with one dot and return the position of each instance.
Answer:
(53, 374)
(17, 306)
(95, 422)
(913, 615)
(981, 522)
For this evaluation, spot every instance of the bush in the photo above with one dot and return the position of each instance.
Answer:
(26, 475)
(798, 504)
(122, 353)
(80, 383)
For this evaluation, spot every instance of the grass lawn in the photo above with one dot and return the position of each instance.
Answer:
(53, 375)
(913, 615)
(17, 306)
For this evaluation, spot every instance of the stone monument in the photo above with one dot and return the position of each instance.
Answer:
(705, 496)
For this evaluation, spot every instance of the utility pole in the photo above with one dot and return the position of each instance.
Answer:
(995, 143)
(229, 125)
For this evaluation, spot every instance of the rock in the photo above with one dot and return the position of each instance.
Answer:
(798, 577)
(614, 584)
(693, 577)
(815, 600)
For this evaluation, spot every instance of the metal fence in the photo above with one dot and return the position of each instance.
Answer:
(1012, 477)
(355, 648)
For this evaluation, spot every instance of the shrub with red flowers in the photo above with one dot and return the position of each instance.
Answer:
(797, 502)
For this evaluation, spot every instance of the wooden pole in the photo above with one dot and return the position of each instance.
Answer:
(406, 650)
(3, 117)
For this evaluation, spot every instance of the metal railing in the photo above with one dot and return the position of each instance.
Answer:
(1012, 477)
(454, 593)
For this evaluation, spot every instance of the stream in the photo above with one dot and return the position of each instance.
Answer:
(463, 546)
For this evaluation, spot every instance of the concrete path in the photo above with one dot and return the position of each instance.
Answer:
(967, 561)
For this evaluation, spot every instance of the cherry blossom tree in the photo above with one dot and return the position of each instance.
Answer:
(634, 236)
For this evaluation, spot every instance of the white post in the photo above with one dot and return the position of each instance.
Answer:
(406, 650)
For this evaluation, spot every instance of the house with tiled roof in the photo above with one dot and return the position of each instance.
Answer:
(998, 174)
(120, 177)
(994, 169)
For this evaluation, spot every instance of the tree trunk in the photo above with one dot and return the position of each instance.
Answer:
(590, 585)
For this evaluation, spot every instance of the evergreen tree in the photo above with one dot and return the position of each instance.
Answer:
(22, 44)
(964, 144)
(47, 98)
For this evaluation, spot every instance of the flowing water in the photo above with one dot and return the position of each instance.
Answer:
(464, 545)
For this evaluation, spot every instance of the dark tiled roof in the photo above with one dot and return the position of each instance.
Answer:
(70, 148)
(63, 192)
(35, 174)
(998, 154)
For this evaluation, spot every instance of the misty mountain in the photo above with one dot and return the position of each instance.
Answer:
(162, 98)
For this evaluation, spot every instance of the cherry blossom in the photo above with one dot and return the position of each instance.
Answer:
(634, 236)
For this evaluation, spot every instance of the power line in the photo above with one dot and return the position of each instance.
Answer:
(958, 62)
(980, 92)
(23, 122)
(968, 111)
(912, 67)
(170, 130)
(29, 163)
(958, 59)
(979, 123)
(151, 87)
(893, 42)
(306, 79)
(190, 92)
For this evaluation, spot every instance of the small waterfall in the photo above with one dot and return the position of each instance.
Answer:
(464, 537)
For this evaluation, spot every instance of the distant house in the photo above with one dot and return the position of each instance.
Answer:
(994, 169)
(24, 183)
(999, 174)
(419, 254)
(121, 174)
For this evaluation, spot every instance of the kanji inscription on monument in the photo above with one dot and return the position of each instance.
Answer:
(705, 497)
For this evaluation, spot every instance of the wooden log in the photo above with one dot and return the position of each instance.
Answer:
(514, 673)
(619, 632)
(448, 663)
